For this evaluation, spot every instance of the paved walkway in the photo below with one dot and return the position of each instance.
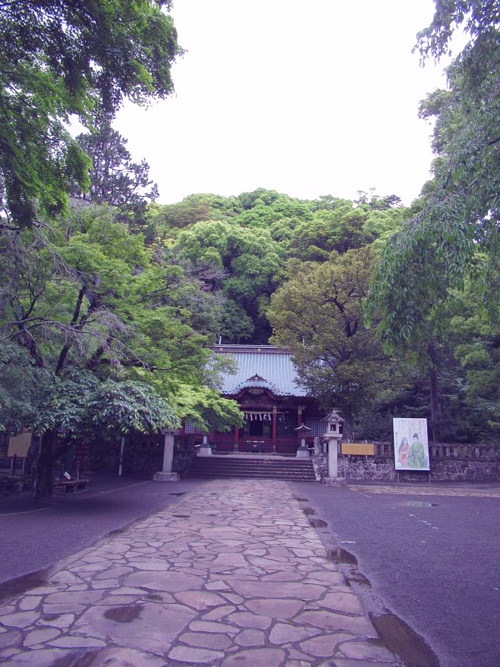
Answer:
(434, 489)
(232, 575)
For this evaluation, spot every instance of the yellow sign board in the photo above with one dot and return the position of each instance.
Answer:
(358, 449)
(19, 445)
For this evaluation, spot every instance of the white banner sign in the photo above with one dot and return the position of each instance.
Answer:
(411, 447)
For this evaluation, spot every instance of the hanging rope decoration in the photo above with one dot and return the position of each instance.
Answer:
(258, 416)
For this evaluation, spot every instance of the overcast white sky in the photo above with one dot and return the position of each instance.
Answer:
(307, 97)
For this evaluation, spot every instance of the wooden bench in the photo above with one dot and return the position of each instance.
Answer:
(71, 485)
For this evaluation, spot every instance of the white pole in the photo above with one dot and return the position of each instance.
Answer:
(166, 474)
(332, 458)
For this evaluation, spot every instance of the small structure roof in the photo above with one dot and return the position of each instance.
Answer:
(260, 366)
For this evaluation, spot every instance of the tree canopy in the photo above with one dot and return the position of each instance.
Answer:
(64, 58)
(318, 315)
(453, 240)
(250, 263)
(114, 178)
(455, 234)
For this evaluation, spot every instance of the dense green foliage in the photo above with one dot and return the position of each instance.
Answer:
(63, 58)
(455, 235)
(109, 307)
(239, 245)
(452, 243)
(267, 257)
(114, 178)
(318, 315)
(100, 335)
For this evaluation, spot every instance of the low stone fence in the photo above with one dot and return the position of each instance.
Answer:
(448, 463)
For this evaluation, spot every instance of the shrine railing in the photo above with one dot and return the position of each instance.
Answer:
(469, 452)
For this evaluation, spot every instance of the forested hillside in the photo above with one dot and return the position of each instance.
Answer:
(274, 269)
(110, 303)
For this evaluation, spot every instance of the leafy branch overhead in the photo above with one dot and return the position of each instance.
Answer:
(455, 235)
(60, 59)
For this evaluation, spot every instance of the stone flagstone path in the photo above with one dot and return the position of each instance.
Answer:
(232, 575)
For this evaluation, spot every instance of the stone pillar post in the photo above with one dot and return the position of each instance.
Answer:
(205, 449)
(303, 451)
(333, 465)
(166, 474)
(333, 469)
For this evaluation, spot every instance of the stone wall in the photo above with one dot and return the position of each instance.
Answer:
(369, 468)
(320, 463)
(448, 463)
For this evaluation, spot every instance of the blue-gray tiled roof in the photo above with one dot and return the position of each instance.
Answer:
(263, 366)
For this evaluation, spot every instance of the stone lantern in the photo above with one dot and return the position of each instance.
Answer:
(333, 437)
(205, 449)
(166, 474)
(303, 450)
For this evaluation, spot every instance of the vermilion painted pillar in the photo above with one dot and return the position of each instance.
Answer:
(275, 428)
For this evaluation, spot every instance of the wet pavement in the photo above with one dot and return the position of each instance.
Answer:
(464, 489)
(427, 553)
(35, 535)
(232, 574)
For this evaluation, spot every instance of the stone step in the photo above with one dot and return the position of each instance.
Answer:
(253, 459)
(293, 469)
(263, 463)
(270, 469)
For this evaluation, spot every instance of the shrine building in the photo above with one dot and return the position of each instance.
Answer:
(278, 412)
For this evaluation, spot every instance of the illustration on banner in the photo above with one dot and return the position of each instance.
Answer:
(411, 447)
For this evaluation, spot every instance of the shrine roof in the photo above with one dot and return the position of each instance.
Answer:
(260, 366)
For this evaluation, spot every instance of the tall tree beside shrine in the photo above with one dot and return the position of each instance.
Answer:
(456, 232)
(318, 315)
(114, 178)
(59, 59)
(84, 302)
(455, 238)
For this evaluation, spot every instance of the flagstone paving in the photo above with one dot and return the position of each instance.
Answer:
(232, 575)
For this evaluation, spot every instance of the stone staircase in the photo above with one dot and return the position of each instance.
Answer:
(245, 467)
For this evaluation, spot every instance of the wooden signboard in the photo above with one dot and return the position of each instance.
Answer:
(19, 445)
(358, 449)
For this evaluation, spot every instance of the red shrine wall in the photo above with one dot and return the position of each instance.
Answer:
(270, 424)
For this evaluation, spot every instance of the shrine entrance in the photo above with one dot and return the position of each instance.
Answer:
(256, 428)
(273, 404)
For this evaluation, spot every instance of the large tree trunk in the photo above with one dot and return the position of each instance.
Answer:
(45, 466)
(348, 428)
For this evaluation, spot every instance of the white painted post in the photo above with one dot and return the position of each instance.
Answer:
(333, 458)
(166, 474)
